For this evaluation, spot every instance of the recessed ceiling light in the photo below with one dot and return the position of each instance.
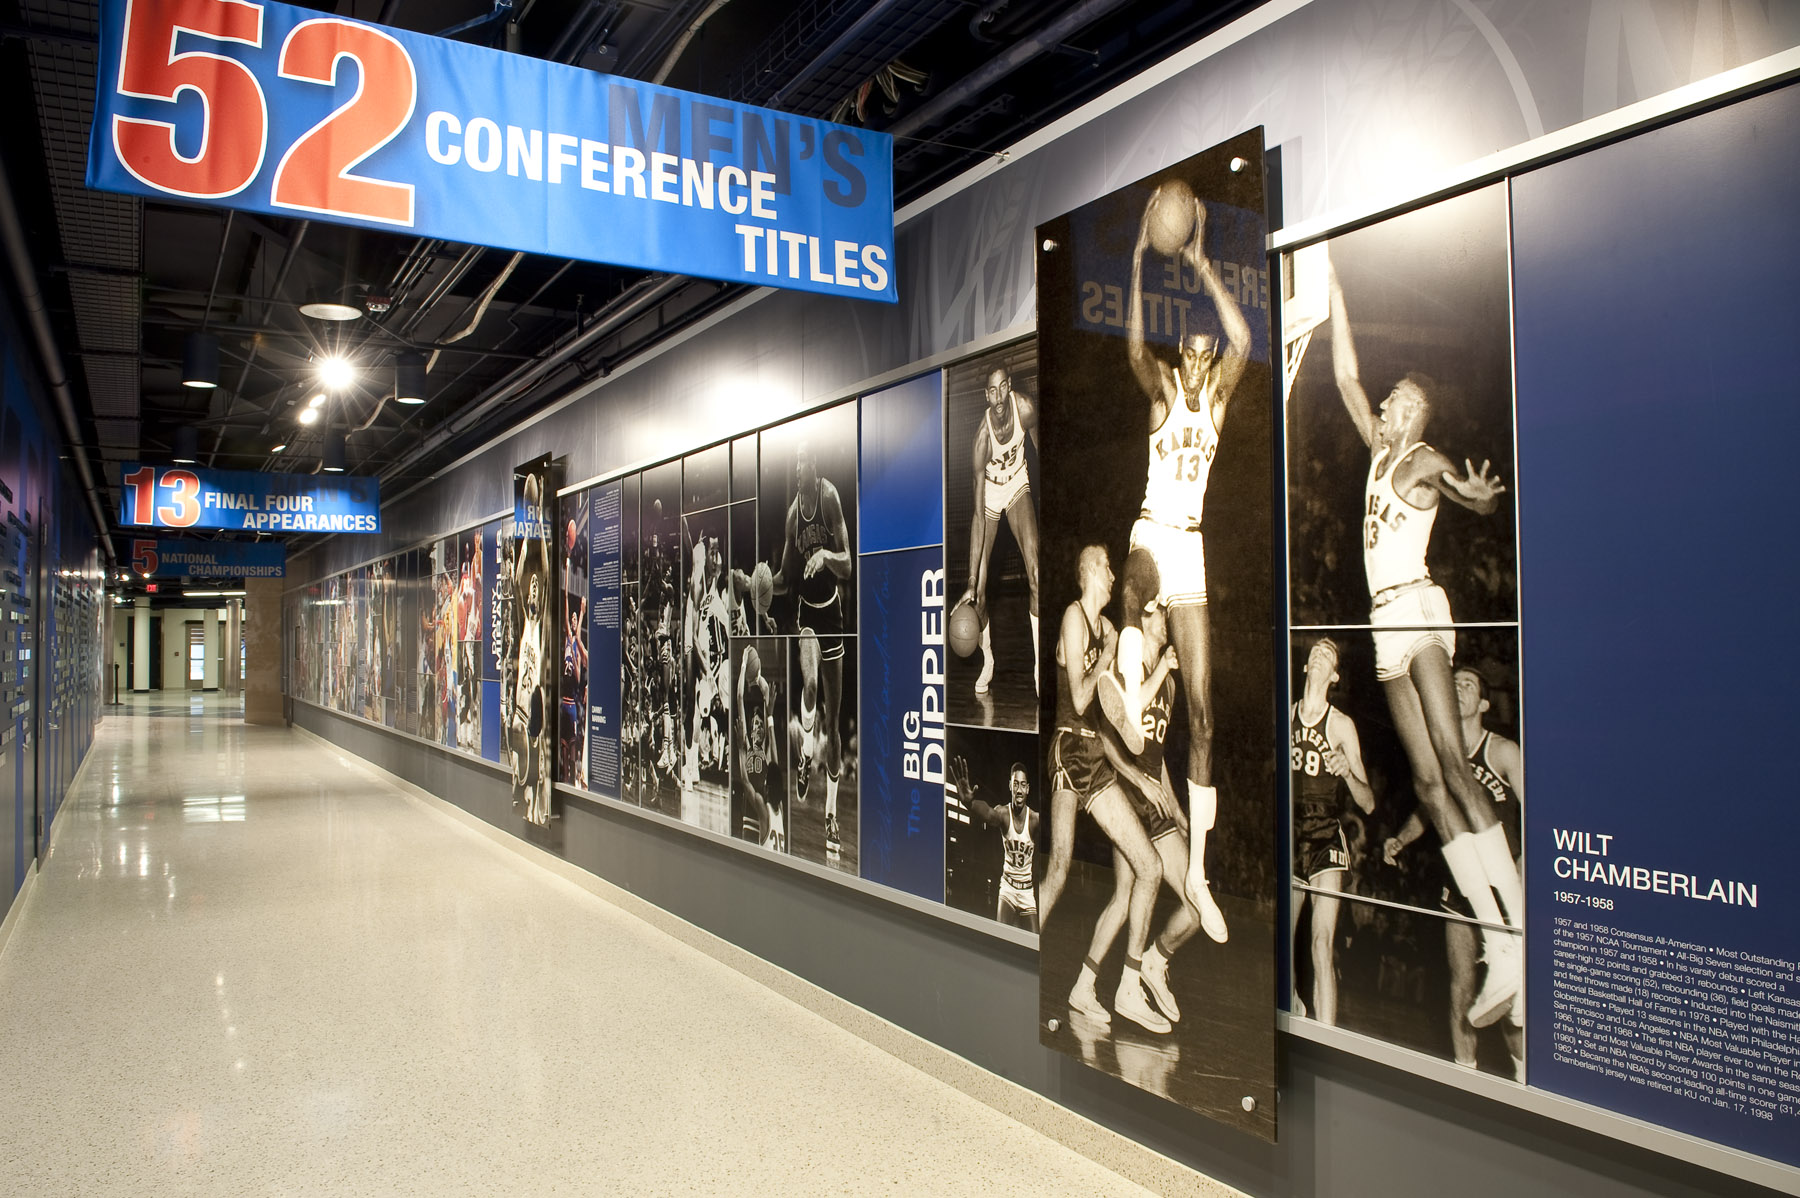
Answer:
(330, 311)
(279, 448)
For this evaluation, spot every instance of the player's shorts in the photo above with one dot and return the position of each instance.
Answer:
(1407, 622)
(1180, 557)
(825, 621)
(1079, 764)
(1022, 901)
(1156, 824)
(998, 497)
(1320, 848)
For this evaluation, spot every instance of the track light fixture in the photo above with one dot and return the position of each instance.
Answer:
(200, 361)
(187, 446)
(409, 378)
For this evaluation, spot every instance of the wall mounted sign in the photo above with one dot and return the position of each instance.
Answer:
(248, 500)
(164, 558)
(275, 109)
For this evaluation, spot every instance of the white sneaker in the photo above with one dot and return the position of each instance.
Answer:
(1501, 987)
(1155, 974)
(1212, 920)
(1084, 999)
(1297, 1006)
(1130, 1002)
(987, 671)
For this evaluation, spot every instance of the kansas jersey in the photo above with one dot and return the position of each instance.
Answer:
(1506, 802)
(1181, 456)
(1006, 455)
(1395, 533)
(1020, 849)
(811, 532)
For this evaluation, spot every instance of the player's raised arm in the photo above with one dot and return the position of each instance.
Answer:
(837, 561)
(1344, 760)
(1349, 374)
(980, 809)
(1152, 374)
(1236, 355)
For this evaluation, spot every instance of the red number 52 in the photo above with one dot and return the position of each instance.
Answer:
(314, 173)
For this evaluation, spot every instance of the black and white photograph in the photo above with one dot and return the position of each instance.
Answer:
(759, 724)
(572, 611)
(708, 601)
(991, 537)
(804, 582)
(1385, 943)
(529, 697)
(660, 599)
(993, 815)
(634, 725)
(1158, 894)
(1403, 607)
(469, 644)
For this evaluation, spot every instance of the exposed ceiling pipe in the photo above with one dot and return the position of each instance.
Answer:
(481, 307)
(18, 254)
(287, 264)
(1000, 66)
(687, 35)
(838, 45)
(646, 293)
(224, 239)
(389, 11)
(581, 27)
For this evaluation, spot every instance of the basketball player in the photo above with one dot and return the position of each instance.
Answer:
(530, 568)
(754, 764)
(712, 662)
(1325, 755)
(1018, 824)
(1151, 791)
(1499, 769)
(1415, 643)
(1084, 779)
(1002, 488)
(1167, 563)
(815, 561)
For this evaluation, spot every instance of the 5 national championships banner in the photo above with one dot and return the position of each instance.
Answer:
(827, 637)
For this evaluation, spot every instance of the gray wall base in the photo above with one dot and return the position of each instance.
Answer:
(1347, 1126)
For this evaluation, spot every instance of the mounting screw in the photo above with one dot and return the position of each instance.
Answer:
(1053, 1024)
(1238, 164)
(1248, 1103)
(1049, 246)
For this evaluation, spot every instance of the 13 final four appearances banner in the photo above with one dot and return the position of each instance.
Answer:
(275, 109)
(166, 558)
(248, 500)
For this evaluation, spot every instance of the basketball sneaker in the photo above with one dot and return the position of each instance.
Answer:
(832, 844)
(1155, 973)
(1084, 999)
(1501, 986)
(1212, 920)
(1130, 1002)
(986, 676)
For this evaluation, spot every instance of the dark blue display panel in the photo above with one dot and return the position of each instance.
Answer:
(1657, 359)
(903, 608)
(604, 524)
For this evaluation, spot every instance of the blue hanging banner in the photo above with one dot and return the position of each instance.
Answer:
(248, 500)
(161, 557)
(276, 109)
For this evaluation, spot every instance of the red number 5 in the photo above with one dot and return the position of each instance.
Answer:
(314, 175)
(235, 120)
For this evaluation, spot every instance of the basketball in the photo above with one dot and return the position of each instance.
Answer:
(965, 628)
(762, 587)
(1171, 221)
(569, 537)
(657, 508)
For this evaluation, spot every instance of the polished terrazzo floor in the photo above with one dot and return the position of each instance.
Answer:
(249, 968)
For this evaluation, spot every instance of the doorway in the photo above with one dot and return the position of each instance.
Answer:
(196, 655)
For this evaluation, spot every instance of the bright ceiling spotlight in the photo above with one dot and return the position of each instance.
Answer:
(317, 401)
(279, 448)
(308, 415)
(329, 310)
(337, 374)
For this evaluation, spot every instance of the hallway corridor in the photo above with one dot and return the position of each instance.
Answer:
(251, 967)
